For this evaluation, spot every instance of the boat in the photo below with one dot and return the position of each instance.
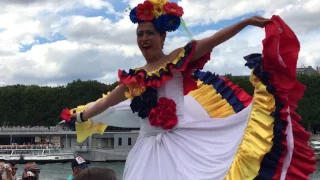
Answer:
(315, 145)
(35, 153)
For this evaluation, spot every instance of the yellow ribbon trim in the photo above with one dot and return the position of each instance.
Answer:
(133, 89)
(211, 101)
(257, 139)
(86, 129)
(164, 68)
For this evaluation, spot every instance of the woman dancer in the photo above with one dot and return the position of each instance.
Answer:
(196, 125)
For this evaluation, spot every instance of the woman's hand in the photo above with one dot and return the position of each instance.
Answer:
(77, 117)
(207, 44)
(258, 21)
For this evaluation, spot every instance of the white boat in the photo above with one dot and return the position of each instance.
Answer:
(315, 145)
(27, 153)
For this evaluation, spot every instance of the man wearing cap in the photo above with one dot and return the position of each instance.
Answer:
(77, 165)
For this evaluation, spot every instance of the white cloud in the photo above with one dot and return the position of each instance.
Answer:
(99, 4)
(205, 11)
(99, 30)
(96, 47)
(63, 60)
(303, 16)
(132, 3)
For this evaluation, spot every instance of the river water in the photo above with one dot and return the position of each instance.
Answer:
(60, 171)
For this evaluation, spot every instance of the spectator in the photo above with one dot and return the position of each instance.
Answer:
(1, 168)
(5, 168)
(14, 168)
(96, 173)
(33, 168)
(77, 166)
(29, 175)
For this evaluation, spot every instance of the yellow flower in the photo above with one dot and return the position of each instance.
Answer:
(128, 95)
(138, 91)
(158, 7)
(158, 10)
(158, 2)
(134, 90)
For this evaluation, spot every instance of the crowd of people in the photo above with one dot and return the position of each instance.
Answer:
(80, 171)
(32, 146)
(8, 171)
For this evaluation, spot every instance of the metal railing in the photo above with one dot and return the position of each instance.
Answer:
(35, 129)
(32, 147)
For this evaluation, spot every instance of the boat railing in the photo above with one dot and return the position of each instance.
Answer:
(38, 129)
(35, 147)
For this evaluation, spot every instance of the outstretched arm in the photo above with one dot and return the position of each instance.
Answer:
(115, 97)
(206, 45)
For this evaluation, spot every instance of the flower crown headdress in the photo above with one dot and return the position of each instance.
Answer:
(166, 16)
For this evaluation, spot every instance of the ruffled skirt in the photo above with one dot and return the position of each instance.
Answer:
(225, 133)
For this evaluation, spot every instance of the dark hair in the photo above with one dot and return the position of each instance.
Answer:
(75, 164)
(12, 163)
(160, 32)
(96, 173)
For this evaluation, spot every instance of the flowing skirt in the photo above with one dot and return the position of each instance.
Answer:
(225, 133)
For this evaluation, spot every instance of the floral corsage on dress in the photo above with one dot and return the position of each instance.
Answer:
(160, 112)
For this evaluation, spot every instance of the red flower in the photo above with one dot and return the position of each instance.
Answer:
(173, 9)
(65, 115)
(145, 11)
(164, 114)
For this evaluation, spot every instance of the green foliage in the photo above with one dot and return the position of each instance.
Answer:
(309, 106)
(35, 105)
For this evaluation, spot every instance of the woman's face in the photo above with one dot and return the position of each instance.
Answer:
(149, 40)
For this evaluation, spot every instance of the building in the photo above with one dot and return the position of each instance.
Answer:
(308, 70)
(113, 145)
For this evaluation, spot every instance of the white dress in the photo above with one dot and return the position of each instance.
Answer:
(221, 132)
(198, 148)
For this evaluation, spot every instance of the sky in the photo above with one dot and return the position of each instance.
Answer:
(50, 43)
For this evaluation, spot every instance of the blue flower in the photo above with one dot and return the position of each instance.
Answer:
(173, 22)
(133, 15)
(160, 23)
(167, 22)
(144, 103)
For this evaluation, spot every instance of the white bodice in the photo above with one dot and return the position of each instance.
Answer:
(172, 89)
